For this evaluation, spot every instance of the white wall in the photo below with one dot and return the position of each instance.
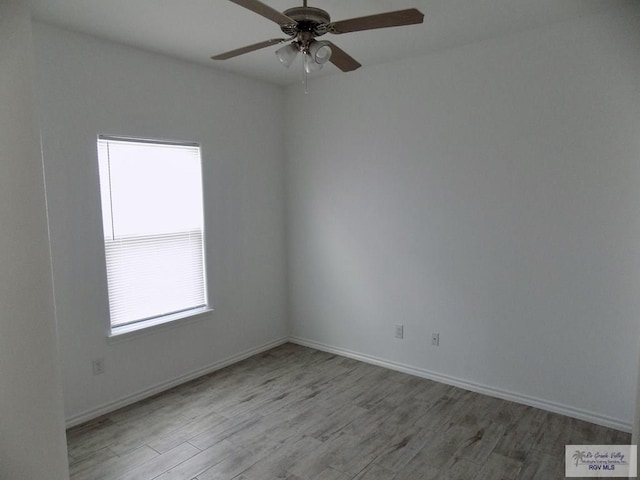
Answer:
(490, 193)
(89, 87)
(32, 440)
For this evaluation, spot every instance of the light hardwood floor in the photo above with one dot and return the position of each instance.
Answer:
(300, 414)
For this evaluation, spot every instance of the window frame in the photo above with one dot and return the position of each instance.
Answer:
(169, 318)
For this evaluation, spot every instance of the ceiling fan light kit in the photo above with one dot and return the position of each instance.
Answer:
(315, 54)
(303, 24)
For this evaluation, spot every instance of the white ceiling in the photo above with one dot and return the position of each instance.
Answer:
(195, 30)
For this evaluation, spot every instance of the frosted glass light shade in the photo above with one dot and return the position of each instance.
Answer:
(320, 52)
(287, 54)
(310, 65)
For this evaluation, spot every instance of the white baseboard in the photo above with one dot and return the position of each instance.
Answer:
(474, 387)
(419, 372)
(147, 392)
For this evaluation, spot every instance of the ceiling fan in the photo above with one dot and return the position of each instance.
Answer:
(303, 24)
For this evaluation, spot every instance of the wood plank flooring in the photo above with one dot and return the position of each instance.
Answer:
(295, 413)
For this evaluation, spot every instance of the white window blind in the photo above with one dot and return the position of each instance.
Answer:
(153, 227)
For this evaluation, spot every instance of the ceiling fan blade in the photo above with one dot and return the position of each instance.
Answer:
(266, 11)
(248, 48)
(398, 18)
(342, 59)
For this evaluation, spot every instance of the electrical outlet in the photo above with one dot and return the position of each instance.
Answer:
(435, 339)
(98, 366)
(399, 331)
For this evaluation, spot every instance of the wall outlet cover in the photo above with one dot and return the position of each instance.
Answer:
(98, 366)
(399, 331)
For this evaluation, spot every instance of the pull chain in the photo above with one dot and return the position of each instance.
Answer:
(304, 75)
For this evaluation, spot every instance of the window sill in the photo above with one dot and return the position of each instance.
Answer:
(155, 324)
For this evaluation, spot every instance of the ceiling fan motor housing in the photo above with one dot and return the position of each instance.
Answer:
(309, 19)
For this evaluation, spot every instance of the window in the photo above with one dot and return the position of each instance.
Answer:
(153, 230)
